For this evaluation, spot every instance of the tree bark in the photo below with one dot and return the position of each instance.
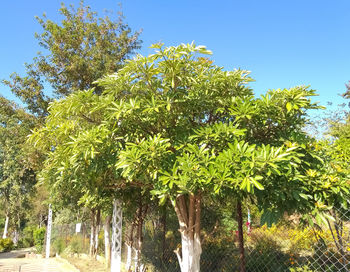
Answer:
(164, 233)
(107, 230)
(6, 227)
(141, 214)
(129, 245)
(240, 237)
(92, 234)
(189, 221)
(97, 229)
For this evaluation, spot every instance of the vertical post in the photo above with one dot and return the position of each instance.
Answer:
(116, 236)
(48, 233)
(248, 222)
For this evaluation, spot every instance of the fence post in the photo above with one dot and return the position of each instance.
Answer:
(116, 236)
(48, 233)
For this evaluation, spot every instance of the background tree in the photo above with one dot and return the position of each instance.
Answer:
(77, 51)
(17, 169)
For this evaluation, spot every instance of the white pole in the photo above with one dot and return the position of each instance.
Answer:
(117, 219)
(249, 222)
(48, 233)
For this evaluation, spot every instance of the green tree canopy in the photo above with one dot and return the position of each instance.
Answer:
(77, 51)
(193, 129)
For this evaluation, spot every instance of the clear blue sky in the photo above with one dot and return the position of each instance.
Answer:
(283, 43)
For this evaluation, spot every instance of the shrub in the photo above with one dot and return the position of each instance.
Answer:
(265, 250)
(6, 244)
(76, 244)
(28, 237)
(39, 238)
(58, 245)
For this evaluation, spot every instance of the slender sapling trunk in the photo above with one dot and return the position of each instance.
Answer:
(240, 237)
(107, 230)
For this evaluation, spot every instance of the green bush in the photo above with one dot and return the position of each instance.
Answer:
(6, 244)
(27, 237)
(39, 238)
(58, 245)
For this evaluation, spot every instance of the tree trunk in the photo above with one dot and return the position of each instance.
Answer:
(139, 239)
(128, 257)
(6, 227)
(189, 221)
(107, 230)
(164, 233)
(97, 229)
(240, 237)
(130, 247)
(15, 237)
(141, 214)
(92, 235)
(83, 232)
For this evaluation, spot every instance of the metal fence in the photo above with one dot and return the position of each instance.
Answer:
(289, 245)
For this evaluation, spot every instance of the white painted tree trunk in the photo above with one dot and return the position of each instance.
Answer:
(92, 240)
(48, 233)
(128, 257)
(15, 237)
(97, 229)
(6, 227)
(136, 259)
(189, 220)
(93, 234)
(116, 236)
(107, 229)
(191, 252)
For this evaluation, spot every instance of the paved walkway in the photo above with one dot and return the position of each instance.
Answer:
(12, 262)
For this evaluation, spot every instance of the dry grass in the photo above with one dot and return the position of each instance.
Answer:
(87, 265)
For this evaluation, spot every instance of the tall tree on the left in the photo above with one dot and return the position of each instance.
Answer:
(76, 52)
(17, 176)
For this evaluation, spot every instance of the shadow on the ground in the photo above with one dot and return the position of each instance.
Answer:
(21, 253)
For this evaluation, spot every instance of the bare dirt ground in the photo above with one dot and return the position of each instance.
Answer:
(14, 261)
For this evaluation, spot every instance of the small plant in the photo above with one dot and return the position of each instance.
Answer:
(6, 244)
(39, 238)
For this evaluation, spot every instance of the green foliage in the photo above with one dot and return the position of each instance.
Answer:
(173, 124)
(87, 46)
(304, 268)
(39, 238)
(75, 244)
(6, 244)
(58, 245)
(17, 160)
(28, 236)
